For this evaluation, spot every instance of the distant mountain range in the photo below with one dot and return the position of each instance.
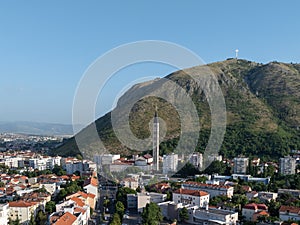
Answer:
(262, 103)
(36, 128)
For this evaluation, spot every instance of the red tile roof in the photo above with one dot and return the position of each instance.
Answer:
(255, 206)
(79, 209)
(90, 195)
(262, 213)
(78, 201)
(191, 192)
(291, 209)
(66, 219)
(93, 181)
(198, 184)
(21, 204)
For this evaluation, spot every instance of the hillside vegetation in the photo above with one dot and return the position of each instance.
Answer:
(262, 107)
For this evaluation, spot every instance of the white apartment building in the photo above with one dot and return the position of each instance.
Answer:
(170, 163)
(240, 165)
(4, 213)
(12, 162)
(289, 213)
(38, 163)
(287, 165)
(105, 159)
(80, 166)
(213, 216)
(22, 210)
(212, 189)
(191, 197)
(139, 201)
(130, 182)
(52, 161)
(252, 208)
(196, 159)
(207, 216)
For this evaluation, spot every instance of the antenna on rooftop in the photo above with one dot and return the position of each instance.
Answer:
(236, 53)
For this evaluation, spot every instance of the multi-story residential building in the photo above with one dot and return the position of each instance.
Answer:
(191, 197)
(130, 182)
(287, 165)
(170, 163)
(240, 165)
(295, 193)
(91, 186)
(4, 214)
(66, 219)
(12, 162)
(266, 196)
(196, 159)
(80, 166)
(38, 163)
(251, 209)
(212, 216)
(287, 213)
(52, 161)
(22, 210)
(212, 189)
(207, 216)
(87, 198)
(139, 201)
(105, 159)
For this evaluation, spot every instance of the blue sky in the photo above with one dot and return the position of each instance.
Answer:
(45, 46)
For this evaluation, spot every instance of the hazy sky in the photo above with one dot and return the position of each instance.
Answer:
(45, 46)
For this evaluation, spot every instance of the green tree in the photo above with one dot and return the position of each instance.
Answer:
(239, 200)
(106, 202)
(122, 194)
(116, 219)
(183, 214)
(50, 207)
(61, 195)
(58, 170)
(41, 218)
(14, 222)
(273, 208)
(32, 220)
(216, 167)
(2, 184)
(120, 209)
(151, 214)
(201, 179)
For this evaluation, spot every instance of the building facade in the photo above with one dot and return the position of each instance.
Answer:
(191, 197)
(212, 189)
(240, 165)
(287, 165)
(170, 163)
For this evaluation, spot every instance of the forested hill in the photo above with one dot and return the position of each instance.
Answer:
(262, 103)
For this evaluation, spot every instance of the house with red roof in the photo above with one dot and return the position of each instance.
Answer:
(289, 213)
(91, 186)
(191, 197)
(212, 189)
(66, 219)
(22, 210)
(251, 211)
(88, 198)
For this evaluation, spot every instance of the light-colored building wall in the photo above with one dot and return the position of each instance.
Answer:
(240, 165)
(213, 190)
(4, 214)
(170, 163)
(287, 165)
